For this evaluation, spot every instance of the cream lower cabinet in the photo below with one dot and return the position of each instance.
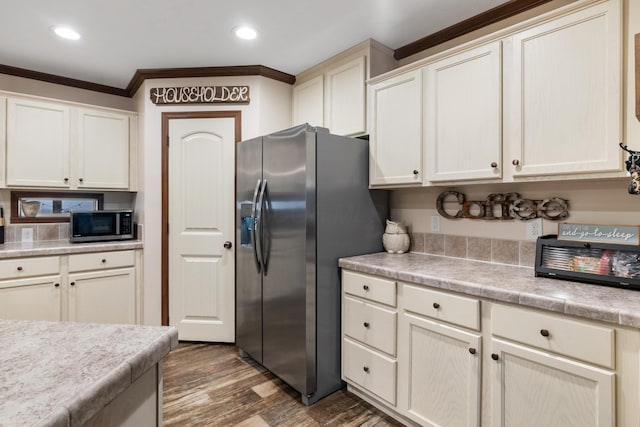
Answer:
(455, 364)
(96, 287)
(102, 287)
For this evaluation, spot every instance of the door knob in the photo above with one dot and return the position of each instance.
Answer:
(227, 245)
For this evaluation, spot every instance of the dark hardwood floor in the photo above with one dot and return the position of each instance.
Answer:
(211, 385)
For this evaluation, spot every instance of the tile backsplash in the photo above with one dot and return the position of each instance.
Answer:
(501, 251)
(13, 233)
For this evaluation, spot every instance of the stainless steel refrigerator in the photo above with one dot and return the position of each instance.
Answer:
(302, 202)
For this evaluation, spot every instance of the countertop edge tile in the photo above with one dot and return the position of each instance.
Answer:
(59, 418)
(63, 247)
(96, 397)
(142, 361)
(505, 283)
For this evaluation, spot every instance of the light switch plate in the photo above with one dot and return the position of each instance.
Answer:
(27, 234)
(435, 223)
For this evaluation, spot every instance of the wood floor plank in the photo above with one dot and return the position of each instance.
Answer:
(211, 385)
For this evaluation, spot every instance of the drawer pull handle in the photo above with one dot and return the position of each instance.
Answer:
(472, 350)
(544, 332)
(365, 287)
(104, 261)
(436, 305)
(56, 284)
(19, 268)
(366, 369)
(494, 356)
(72, 283)
(366, 324)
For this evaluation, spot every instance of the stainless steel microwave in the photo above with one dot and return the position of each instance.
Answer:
(96, 226)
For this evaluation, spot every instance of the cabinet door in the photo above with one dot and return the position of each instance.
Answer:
(308, 102)
(563, 94)
(345, 101)
(395, 112)
(103, 296)
(534, 388)
(439, 373)
(463, 115)
(37, 144)
(31, 299)
(102, 149)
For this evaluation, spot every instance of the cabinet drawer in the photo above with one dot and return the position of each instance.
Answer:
(372, 325)
(579, 340)
(28, 267)
(370, 370)
(454, 309)
(370, 287)
(101, 260)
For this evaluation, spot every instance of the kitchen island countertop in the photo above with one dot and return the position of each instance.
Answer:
(64, 373)
(506, 283)
(63, 247)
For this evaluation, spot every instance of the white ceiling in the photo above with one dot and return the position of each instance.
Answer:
(121, 36)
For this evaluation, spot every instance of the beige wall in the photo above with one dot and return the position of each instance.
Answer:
(269, 110)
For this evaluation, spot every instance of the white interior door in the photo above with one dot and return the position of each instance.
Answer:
(201, 221)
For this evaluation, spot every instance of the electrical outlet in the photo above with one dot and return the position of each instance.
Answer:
(435, 223)
(27, 234)
(534, 228)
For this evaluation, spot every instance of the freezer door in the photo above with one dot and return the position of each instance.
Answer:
(248, 267)
(289, 341)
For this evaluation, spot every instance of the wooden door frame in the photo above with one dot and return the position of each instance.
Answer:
(234, 114)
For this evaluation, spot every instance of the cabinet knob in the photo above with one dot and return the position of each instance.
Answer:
(19, 268)
(494, 165)
(544, 332)
(81, 179)
(227, 245)
(56, 284)
(365, 287)
(416, 172)
(104, 261)
(366, 324)
(66, 180)
(472, 350)
(366, 369)
(436, 305)
(515, 162)
(72, 283)
(494, 356)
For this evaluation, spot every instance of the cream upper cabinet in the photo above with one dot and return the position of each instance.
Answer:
(346, 102)
(563, 94)
(463, 115)
(58, 145)
(308, 102)
(333, 94)
(38, 141)
(102, 149)
(395, 123)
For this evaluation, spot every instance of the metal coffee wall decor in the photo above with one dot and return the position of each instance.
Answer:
(502, 206)
(200, 95)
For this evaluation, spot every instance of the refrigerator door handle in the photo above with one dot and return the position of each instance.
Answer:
(259, 220)
(254, 225)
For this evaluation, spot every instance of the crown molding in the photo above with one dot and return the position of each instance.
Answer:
(489, 17)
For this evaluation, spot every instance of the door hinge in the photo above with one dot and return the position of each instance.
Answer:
(167, 139)
(167, 228)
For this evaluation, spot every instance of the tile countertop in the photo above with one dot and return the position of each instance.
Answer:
(63, 247)
(61, 373)
(505, 283)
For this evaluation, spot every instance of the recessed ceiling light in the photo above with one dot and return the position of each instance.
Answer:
(66, 33)
(245, 33)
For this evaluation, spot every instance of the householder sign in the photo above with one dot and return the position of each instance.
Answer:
(200, 95)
